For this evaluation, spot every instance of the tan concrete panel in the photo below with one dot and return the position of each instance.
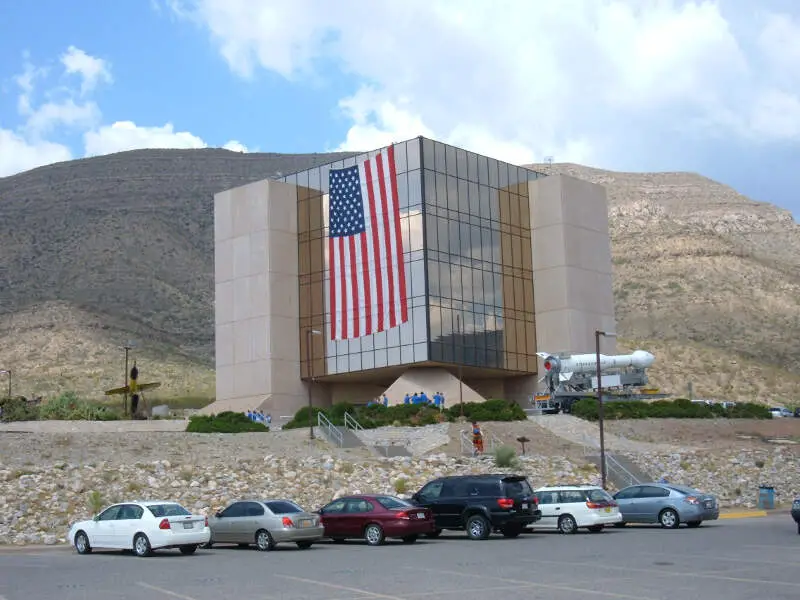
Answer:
(584, 204)
(223, 260)
(242, 342)
(223, 302)
(241, 299)
(550, 290)
(548, 247)
(587, 249)
(224, 341)
(223, 217)
(241, 257)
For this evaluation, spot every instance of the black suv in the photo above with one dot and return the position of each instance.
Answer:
(480, 504)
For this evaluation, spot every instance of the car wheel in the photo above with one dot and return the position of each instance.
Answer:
(264, 540)
(478, 528)
(141, 545)
(567, 524)
(208, 545)
(511, 531)
(433, 534)
(82, 543)
(694, 524)
(190, 549)
(669, 519)
(373, 534)
(304, 545)
(596, 528)
(410, 539)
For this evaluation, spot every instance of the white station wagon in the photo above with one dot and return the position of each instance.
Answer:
(569, 508)
(141, 527)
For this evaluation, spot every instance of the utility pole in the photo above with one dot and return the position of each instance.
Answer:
(600, 411)
(130, 345)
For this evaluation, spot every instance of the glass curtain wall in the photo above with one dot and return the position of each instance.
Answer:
(479, 262)
(404, 344)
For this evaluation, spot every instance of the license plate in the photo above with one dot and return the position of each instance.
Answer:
(524, 505)
(305, 523)
(188, 525)
(420, 515)
(709, 504)
(608, 509)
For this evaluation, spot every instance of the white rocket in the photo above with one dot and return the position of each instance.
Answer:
(587, 363)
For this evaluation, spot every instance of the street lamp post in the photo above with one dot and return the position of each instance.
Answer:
(309, 355)
(600, 411)
(7, 372)
(460, 380)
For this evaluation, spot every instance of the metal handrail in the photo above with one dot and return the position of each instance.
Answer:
(351, 423)
(612, 464)
(331, 431)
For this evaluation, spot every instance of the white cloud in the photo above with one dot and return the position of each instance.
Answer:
(90, 68)
(126, 135)
(27, 146)
(578, 79)
(18, 154)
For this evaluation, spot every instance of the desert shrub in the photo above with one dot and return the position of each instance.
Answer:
(401, 485)
(681, 408)
(490, 410)
(301, 418)
(69, 407)
(505, 456)
(95, 501)
(19, 409)
(224, 422)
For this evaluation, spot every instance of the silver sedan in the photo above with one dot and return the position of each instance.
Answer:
(667, 504)
(265, 523)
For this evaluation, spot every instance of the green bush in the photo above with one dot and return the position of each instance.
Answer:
(505, 457)
(69, 407)
(18, 408)
(667, 409)
(224, 422)
(414, 415)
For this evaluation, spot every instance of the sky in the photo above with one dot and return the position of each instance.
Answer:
(641, 85)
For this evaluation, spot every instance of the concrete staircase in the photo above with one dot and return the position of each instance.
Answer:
(621, 471)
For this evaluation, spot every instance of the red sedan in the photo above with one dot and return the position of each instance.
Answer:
(374, 518)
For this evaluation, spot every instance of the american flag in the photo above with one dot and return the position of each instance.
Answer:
(367, 289)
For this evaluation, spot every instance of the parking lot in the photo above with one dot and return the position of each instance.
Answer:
(727, 559)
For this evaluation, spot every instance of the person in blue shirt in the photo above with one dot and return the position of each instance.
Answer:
(385, 400)
(407, 399)
(423, 398)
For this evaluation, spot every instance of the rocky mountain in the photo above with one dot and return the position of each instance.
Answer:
(99, 251)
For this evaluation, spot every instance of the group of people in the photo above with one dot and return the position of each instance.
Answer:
(258, 416)
(422, 398)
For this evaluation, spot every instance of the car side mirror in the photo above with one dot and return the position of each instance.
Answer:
(218, 514)
(96, 518)
(320, 511)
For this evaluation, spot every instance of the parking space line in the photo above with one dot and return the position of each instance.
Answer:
(339, 587)
(536, 584)
(164, 591)
(773, 546)
(503, 588)
(672, 573)
(722, 558)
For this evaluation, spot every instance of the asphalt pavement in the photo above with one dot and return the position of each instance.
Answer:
(726, 559)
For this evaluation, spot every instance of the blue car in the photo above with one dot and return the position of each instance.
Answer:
(667, 504)
(796, 513)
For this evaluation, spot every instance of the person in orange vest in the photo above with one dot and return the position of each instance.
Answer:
(477, 438)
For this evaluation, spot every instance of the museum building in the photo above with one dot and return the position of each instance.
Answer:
(416, 267)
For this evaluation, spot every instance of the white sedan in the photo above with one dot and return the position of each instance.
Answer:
(141, 527)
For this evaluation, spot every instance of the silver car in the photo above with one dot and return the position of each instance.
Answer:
(667, 504)
(265, 523)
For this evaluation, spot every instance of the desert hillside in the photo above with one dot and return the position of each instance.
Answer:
(98, 251)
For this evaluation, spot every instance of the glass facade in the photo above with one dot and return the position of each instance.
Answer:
(464, 222)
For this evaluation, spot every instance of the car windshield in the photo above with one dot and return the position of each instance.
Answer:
(168, 510)
(598, 495)
(390, 502)
(685, 490)
(282, 507)
(518, 487)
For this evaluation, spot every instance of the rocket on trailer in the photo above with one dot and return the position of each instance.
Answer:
(569, 378)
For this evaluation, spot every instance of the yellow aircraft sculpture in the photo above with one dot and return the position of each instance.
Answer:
(134, 388)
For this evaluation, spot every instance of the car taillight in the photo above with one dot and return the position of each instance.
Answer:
(287, 522)
(164, 524)
(692, 499)
(591, 504)
(206, 521)
(403, 514)
(505, 503)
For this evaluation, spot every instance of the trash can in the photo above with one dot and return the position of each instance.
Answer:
(766, 497)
